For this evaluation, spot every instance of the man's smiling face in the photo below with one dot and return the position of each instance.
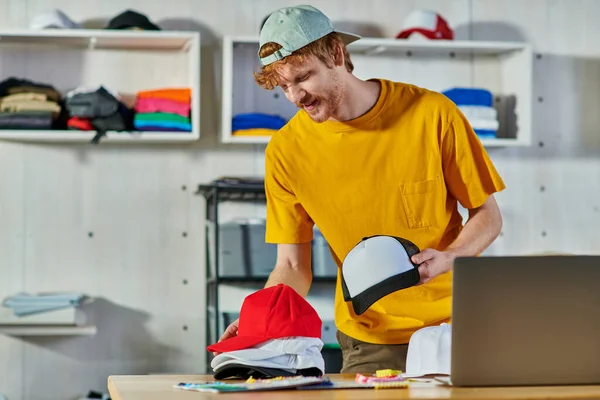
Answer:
(313, 87)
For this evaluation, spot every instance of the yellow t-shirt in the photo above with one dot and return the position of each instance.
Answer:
(397, 170)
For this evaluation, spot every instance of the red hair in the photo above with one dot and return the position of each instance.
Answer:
(323, 49)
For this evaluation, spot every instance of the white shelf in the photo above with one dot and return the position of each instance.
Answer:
(101, 39)
(80, 136)
(48, 330)
(505, 68)
(499, 142)
(249, 139)
(503, 142)
(391, 45)
(445, 47)
(123, 61)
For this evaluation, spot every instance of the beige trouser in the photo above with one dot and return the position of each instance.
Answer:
(366, 358)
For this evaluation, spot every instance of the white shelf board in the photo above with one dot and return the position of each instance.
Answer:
(374, 45)
(101, 38)
(487, 142)
(386, 45)
(47, 330)
(503, 142)
(248, 139)
(86, 136)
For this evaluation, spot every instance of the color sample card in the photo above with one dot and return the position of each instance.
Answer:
(251, 385)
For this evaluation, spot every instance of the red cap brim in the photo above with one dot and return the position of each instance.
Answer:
(406, 33)
(236, 343)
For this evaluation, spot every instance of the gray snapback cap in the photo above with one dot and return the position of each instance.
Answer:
(294, 28)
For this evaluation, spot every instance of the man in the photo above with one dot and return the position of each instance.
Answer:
(364, 158)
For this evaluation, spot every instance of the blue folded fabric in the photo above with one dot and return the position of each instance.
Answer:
(485, 133)
(166, 125)
(470, 96)
(154, 128)
(257, 120)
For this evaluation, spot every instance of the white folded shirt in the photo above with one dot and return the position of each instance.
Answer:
(288, 354)
(479, 112)
(488, 125)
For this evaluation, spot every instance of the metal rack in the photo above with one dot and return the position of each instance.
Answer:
(216, 192)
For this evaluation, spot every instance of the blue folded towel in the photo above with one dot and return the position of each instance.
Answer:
(470, 96)
(162, 125)
(485, 133)
(257, 120)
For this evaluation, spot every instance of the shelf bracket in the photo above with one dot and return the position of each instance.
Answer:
(92, 43)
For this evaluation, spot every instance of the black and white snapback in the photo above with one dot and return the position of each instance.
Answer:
(377, 266)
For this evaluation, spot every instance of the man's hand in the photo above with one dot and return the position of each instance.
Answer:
(230, 332)
(482, 227)
(433, 263)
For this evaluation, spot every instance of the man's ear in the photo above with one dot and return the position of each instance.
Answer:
(338, 58)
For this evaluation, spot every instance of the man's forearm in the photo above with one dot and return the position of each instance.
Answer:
(298, 279)
(480, 230)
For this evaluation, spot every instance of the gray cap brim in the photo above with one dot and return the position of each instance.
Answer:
(348, 37)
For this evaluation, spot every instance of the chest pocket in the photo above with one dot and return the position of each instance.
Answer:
(424, 202)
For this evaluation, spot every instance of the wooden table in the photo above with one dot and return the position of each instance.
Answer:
(160, 387)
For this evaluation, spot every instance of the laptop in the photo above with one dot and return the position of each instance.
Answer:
(526, 320)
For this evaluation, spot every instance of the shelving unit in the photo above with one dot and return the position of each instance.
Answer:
(48, 330)
(216, 193)
(123, 61)
(504, 68)
(81, 137)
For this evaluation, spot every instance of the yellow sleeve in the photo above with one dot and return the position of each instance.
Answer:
(286, 220)
(469, 172)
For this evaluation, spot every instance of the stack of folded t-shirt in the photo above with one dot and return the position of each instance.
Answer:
(163, 110)
(279, 334)
(97, 108)
(477, 106)
(275, 357)
(256, 124)
(26, 104)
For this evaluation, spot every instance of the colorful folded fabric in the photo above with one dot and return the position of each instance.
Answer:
(485, 133)
(257, 120)
(485, 124)
(462, 96)
(26, 120)
(479, 112)
(151, 104)
(82, 124)
(25, 96)
(164, 128)
(29, 105)
(161, 116)
(161, 121)
(183, 95)
(254, 132)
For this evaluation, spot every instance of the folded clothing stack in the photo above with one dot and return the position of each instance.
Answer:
(43, 309)
(279, 334)
(97, 108)
(275, 357)
(163, 110)
(25, 104)
(256, 124)
(477, 106)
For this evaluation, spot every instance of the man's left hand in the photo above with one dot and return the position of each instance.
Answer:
(432, 263)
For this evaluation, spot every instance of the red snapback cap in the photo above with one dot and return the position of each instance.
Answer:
(427, 23)
(272, 313)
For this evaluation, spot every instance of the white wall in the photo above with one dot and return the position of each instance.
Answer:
(131, 197)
